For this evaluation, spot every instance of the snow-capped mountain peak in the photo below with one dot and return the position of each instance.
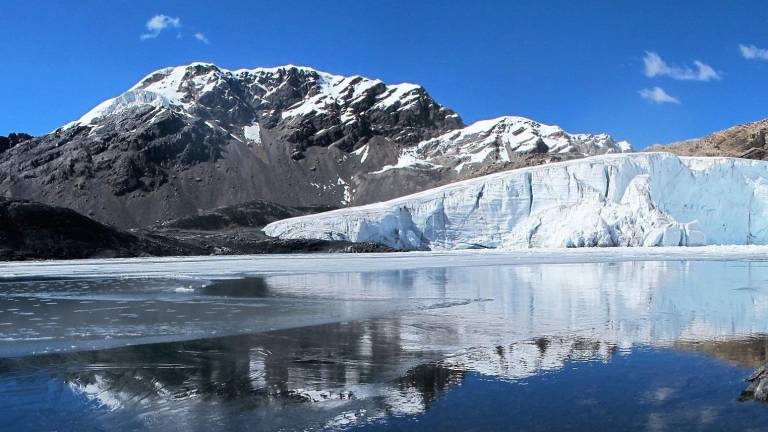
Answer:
(502, 140)
(168, 87)
(519, 134)
(310, 91)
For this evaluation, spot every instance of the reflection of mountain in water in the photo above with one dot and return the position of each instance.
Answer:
(524, 359)
(338, 367)
(335, 365)
(512, 322)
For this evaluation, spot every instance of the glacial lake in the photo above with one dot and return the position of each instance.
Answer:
(536, 341)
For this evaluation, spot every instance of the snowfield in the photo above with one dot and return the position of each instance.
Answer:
(642, 199)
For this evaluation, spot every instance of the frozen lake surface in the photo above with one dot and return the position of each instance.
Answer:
(598, 339)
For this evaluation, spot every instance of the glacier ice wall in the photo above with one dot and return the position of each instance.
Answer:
(641, 199)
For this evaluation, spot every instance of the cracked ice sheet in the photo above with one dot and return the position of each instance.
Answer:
(208, 267)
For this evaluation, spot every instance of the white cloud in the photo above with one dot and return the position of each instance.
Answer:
(657, 95)
(157, 24)
(751, 52)
(656, 66)
(201, 37)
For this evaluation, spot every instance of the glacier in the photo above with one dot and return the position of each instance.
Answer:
(624, 199)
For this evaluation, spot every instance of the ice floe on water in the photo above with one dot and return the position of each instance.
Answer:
(240, 265)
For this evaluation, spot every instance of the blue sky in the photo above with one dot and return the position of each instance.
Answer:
(646, 71)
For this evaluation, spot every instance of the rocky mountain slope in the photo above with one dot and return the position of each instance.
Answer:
(252, 214)
(30, 230)
(237, 229)
(642, 199)
(748, 140)
(197, 137)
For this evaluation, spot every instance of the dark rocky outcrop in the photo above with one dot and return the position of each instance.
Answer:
(757, 387)
(199, 137)
(12, 140)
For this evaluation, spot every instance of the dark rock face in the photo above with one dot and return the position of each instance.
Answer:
(12, 140)
(199, 137)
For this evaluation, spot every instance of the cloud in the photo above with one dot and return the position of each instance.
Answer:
(157, 24)
(656, 66)
(751, 52)
(657, 95)
(201, 37)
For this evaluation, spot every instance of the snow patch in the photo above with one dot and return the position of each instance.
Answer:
(253, 133)
(407, 159)
(402, 94)
(128, 100)
(362, 152)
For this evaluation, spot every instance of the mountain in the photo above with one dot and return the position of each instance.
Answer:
(198, 137)
(641, 199)
(745, 141)
(484, 147)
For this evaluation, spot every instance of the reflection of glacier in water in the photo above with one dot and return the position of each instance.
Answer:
(389, 343)
(624, 303)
